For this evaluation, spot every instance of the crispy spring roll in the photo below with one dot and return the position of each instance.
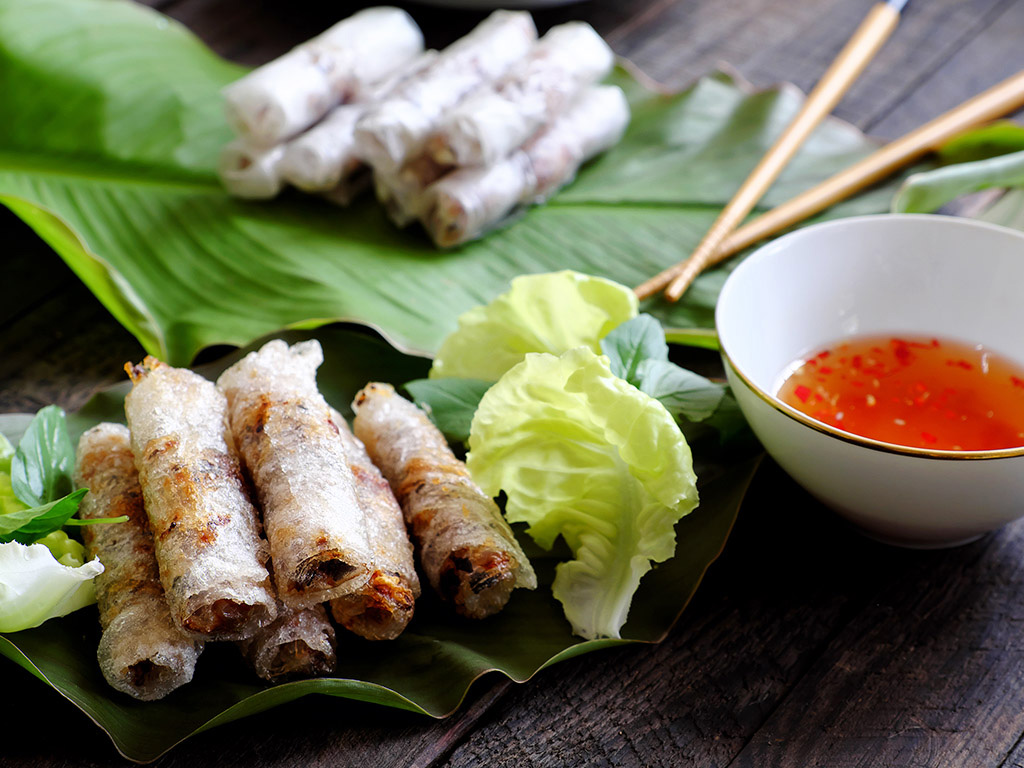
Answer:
(206, 533)
(141, 652)
(289, 94)
(465, 547)
(382, 609)
(397, 129)
(299, 643)
(469, 201)
(250, 172)
(491, 123)
(289, 444)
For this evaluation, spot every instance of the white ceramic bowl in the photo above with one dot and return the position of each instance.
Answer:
(922, 275)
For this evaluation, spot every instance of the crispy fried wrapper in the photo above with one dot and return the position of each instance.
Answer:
(397, 129)
(211, 556)
(299, 643)
(381, 609)
(466, 549)
(291, 93)
(141, 652)
(469, 201)
(491, 123)
(289, 445)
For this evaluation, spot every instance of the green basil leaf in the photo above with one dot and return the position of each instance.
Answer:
(28, 525)
(682, 392)
(992, 140)
(42, 466)
(450, 403)
(928, 191)
(636, 340)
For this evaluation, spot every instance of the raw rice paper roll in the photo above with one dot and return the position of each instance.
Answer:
(299, 643)
(212, 559)
(466, 549)
(141, 652)
(492, 122)
(468, 201)
(325, 156)
(250, 172)
(382, 609)
(397, 129)
(289, 94)
(289, 445)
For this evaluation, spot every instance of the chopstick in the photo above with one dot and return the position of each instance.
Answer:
(997, 101)
(841, 74)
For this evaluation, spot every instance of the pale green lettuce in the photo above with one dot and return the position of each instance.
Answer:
(551, 312)
(34, 587)
(584, 455)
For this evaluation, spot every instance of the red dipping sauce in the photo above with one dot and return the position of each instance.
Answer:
(918, 392)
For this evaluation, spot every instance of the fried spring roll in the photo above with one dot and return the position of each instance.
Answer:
(289, 444)
(469, 201)
(382, 609)
(292, 92)
(465, 547)
(397, 129)
(206, 533)
(299, 643)
(141, 652)
(491, 123)
(250, 172)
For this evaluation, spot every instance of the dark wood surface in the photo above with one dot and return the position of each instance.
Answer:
(807, 644)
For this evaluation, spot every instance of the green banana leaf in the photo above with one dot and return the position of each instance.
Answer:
(108, 147)
(431, 666)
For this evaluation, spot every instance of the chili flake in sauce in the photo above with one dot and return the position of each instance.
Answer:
(918, 392)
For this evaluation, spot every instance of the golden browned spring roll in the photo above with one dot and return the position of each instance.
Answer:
(208, 546)
(466, 548)
(141, 652)
(383, 608)
(299, 643)
(289, 444)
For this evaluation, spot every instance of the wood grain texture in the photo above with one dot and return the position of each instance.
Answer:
(807, 644)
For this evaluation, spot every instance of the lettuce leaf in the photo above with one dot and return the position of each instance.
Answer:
(34, 587)
(584, 455)
(552, 312)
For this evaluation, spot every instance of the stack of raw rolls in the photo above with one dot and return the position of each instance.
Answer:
(457, 139)
(255, 515)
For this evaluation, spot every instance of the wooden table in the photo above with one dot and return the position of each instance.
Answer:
(807, 644)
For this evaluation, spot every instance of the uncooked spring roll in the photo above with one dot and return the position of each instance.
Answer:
(141, 652)
(250, 172)
(292, 92)
(382, 609)
(325, 157)
(465, 203)
(289, 444)
(401, 193)
(397, 129)
(492, 122)
(208, 546)
(465, 547)
(299, 643)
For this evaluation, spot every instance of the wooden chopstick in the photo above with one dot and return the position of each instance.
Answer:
(997, 101)
(841, 74)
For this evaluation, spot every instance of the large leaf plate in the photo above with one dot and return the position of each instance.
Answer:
(430, 667)
(109, 147)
